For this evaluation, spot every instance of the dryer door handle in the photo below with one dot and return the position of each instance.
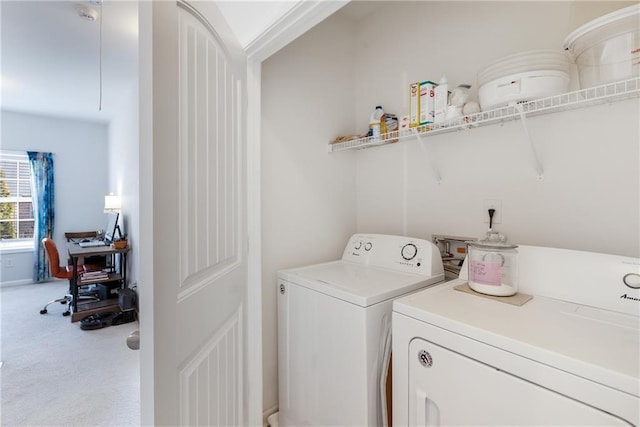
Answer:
(428, 413)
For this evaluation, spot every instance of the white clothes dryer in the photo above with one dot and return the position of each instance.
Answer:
(334, 325)
(569, 356)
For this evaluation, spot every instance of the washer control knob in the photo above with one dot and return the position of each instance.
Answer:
(409, 251)
(367, 246)
(358, 245)
(632, 280)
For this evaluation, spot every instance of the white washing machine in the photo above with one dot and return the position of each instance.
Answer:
(569, 356)
(334, 325)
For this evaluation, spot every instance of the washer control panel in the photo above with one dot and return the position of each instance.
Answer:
(398, 253)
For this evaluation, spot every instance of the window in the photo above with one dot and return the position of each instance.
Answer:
(16, 214)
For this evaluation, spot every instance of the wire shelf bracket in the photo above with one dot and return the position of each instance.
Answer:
(434, 169)
(534, 154)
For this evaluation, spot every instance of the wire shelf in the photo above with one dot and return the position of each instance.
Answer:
(618, 91)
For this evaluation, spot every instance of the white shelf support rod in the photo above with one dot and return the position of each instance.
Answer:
(532, 147)
(434, 169)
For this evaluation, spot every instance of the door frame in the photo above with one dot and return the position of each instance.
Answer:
(300, 18)
(295, 22)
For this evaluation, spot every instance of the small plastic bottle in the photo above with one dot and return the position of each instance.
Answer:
(441, 101)
(374, 123)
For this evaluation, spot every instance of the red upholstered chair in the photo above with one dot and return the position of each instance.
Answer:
(62, 272)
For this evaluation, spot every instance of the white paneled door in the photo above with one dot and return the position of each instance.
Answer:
(199, 218)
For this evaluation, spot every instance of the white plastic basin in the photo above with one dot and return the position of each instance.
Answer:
(607, 49)
(523, 77)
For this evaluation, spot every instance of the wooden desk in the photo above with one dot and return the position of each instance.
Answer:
(82, 310)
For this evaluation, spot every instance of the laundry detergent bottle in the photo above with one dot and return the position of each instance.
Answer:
(374, 122)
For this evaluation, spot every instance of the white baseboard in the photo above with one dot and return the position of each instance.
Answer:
(266, 413)
(16, 283)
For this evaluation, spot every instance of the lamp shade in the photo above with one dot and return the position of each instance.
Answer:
(112, 203)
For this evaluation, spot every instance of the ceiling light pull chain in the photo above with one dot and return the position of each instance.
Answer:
(100, 97)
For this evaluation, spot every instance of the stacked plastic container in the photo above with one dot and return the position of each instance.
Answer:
(607, 49)
(523, 77)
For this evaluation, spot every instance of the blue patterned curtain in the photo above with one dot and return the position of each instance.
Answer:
(43, 209)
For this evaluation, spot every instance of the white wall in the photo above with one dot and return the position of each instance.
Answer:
(583, 202)
(16, 267)
(124, 175)
(81, 170)
(308, 208)
(589, 198)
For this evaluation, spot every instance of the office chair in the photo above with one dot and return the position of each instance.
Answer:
(63, 272)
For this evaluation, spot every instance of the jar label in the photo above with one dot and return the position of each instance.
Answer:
(486, 273)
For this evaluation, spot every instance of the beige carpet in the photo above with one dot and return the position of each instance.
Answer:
(55, 374)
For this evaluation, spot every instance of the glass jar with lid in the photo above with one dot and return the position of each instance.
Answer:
(493, 265)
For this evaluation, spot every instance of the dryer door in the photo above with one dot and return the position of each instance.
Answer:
(448, 388)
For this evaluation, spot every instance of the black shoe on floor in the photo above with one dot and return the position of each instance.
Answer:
(123, 317)
(97, 321)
